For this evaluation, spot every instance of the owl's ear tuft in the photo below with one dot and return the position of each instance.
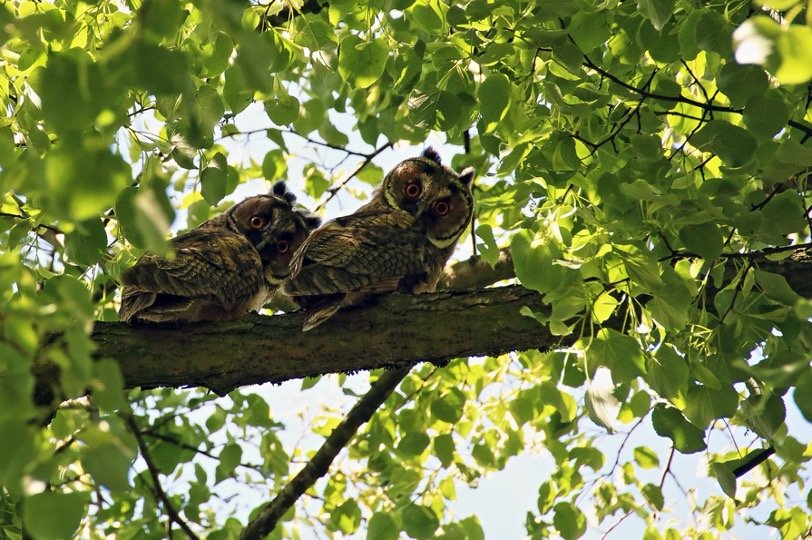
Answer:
(280, 189)
(467, 175)
(432, 154)
(311, 221)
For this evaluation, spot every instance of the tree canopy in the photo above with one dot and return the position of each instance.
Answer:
(639, 297)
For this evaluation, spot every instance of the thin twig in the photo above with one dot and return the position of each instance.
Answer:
(667, 467)
(333, 191)
(681, 99)
(156, 481)
(185, 446)
(324, 144)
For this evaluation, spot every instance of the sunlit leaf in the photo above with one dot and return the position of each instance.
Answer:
(51, 515)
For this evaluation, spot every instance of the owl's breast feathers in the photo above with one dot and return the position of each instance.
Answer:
(214, 274)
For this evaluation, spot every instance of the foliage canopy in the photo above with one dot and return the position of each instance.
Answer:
(639, 160)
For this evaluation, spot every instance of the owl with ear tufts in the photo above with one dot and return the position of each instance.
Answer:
(224, 268)
(399, 241)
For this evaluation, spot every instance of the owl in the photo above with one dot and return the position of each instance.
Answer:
(226, 267)
(399, 241)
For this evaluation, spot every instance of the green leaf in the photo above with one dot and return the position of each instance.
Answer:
(230, 457)
(161, 70)
(347, 516)
(73, 91)
(704, 404)
(764, 415)
(274, 165)
(109, 464)
(733, 144)
(569, 520)
(667, 372)
(361, 63)
(444, 449)
(654, 496)
(619, 352)
(603, 307)
(590, 29)
(449, 407)
(775, 286)
(311, 115)
(315, 182)
(413, 444)
(142, 219)
(382, 526)
(563, 403)
(162, 18)
(726, 479)
(50, 515)
(669, 422)
(18, 445)
(255, 53)
(742, 82)
(713, 33)
(704, 240)
(214, 179)
(108, 385)
(208, 112)
(283, 110)
(802, 392)
(371, 174)
(494, 97)
(646, 458)
(783, 214)
(766, 115)
(795, 48)
(83, 183)
(659, 12)
(488, 250)
(473, 528)
(534, 262)
(419, 522)
(87, 243)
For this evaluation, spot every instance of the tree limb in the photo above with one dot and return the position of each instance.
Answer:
(319, 464)
(398, 331)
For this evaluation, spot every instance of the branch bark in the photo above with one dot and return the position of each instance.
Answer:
(399, 331)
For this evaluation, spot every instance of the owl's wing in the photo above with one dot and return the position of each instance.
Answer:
(370, 251)
(208, 264)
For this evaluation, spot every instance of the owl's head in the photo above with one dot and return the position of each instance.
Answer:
(439, 198)
(274, 226)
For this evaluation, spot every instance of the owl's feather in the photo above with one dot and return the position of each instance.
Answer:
(210, 268)
(226, 267)
(399, 241)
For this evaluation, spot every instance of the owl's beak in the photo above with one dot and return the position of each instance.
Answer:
(267, 237)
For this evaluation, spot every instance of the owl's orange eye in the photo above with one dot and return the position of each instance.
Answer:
(256, 222)
(442, 208)
(282, 247)
(413, 190)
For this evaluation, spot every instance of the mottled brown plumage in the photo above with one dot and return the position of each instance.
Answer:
(399, 241)
(226, 267)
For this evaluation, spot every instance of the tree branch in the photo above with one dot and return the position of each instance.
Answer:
(398, 331)
(318, 466)
(171, 512)
(753, 460)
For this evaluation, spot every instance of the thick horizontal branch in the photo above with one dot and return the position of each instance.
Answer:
(400, 330)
